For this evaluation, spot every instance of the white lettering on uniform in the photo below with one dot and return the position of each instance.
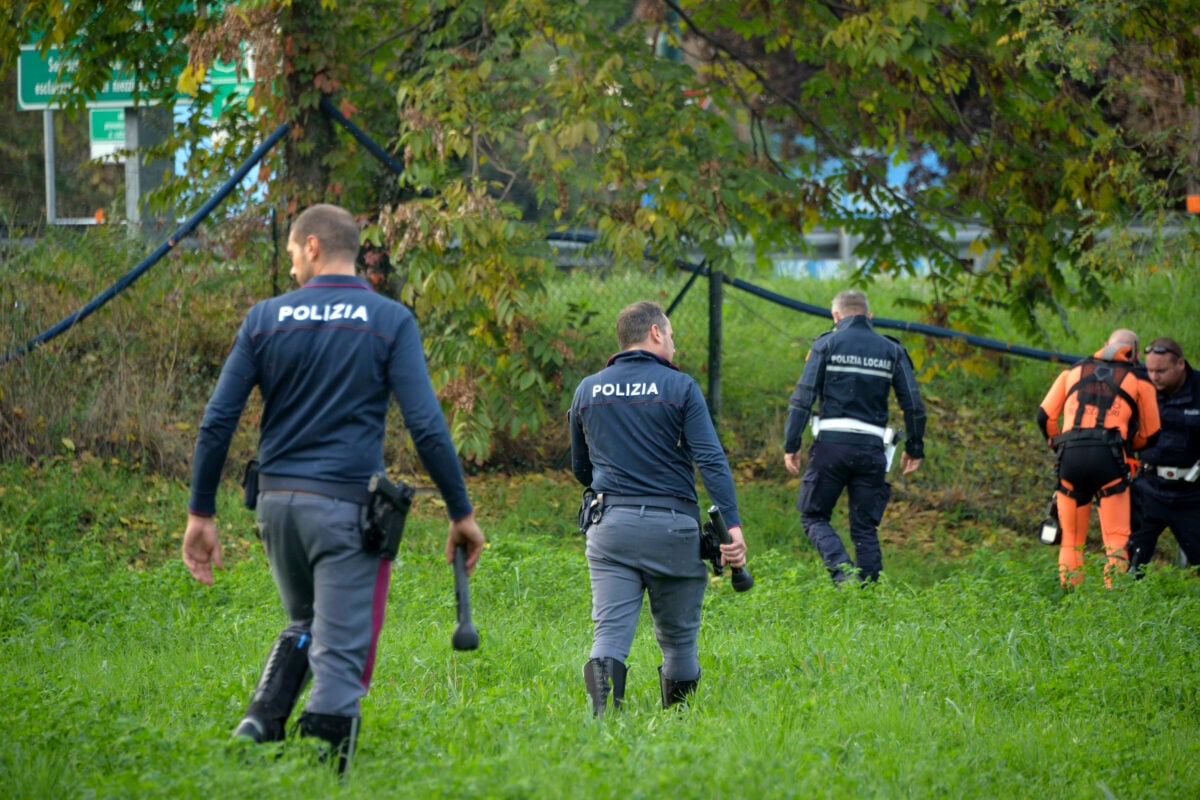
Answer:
(624, 389)
(327, 313)
(851, 360)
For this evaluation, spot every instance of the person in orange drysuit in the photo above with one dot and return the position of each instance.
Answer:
(1109, 410)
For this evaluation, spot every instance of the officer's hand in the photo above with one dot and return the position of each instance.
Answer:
(202, 548)
(908, 464)
(792, 462)
(734, 553)
(465, 531)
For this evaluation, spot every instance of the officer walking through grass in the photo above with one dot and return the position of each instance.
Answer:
(326, 358)
(639, 428)
(851, 371)
(1166, 491)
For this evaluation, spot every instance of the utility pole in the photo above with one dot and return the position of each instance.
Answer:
(145, 127)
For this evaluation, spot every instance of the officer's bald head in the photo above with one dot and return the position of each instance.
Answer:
(1123, 337)
(1118, 340)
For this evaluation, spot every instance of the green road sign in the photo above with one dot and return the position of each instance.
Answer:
(230, 83)
(222, 72)
(108, 131)
(225, 94)
(42, 80)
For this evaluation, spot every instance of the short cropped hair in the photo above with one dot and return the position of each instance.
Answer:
(635, 320)
(851, 302)
(1165, 345)
(334, 228)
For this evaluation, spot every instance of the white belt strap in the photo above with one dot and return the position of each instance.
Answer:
(849, 425)
(1190, 474)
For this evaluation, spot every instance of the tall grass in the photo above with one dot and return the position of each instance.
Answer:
(122, 677)
(128, 381)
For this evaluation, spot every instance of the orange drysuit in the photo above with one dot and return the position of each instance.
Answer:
(1108, 411)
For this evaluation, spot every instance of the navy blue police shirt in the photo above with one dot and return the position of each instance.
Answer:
(327, 358)
(637, 428)
(1178, 442)
(852, 369)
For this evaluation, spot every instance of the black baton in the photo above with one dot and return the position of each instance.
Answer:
(465, 635)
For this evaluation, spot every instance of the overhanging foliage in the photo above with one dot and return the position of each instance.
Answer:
(1050, 123)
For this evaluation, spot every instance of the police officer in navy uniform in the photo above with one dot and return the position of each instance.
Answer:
(850, 371)
(326, 358)
(639, 428)
(1166, 492)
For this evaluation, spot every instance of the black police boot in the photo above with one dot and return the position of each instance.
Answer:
(675, 692)
(340, 732)
(282, 680)
(843, 573)
(1137, 561)
(602, 677)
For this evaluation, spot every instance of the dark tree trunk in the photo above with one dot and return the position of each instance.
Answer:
(310, 61)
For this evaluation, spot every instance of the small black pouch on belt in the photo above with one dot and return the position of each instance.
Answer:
(591, 508)
(385, 515)
(250, 484)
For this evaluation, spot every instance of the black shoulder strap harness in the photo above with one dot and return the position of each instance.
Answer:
(1098, 386)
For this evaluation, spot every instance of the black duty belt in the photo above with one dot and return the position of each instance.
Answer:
(1094, 436)
(350, 492)
(664, 502)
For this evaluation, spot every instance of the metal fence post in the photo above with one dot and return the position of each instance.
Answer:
(716, 291)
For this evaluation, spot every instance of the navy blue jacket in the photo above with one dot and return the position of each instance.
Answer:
(327, 358)
(851, 369)
(637, 428)
(1178, 442)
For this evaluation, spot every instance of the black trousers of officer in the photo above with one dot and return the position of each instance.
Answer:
(1159, 510)
(860, 470)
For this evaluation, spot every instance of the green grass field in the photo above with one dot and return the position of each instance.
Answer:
(122, 677)
(966, 672)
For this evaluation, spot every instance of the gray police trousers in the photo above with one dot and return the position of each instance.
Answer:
(329, 588)
(635, 550)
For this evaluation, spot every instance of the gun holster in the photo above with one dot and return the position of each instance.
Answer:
(710, 547)
(591, 509)
(384, 516)
(250, 484)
